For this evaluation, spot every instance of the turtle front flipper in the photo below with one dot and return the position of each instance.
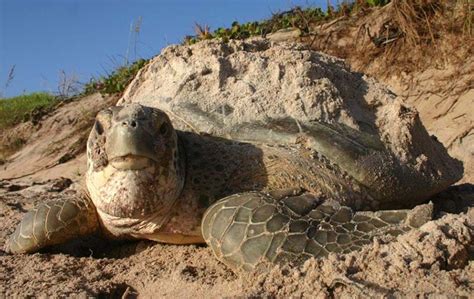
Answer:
(249, 229)
(53, 223)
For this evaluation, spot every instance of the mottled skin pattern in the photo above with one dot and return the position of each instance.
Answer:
(142, 178)
(252, 202)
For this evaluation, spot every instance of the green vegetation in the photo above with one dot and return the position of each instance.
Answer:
(377, 2)
(116, 81)
(22, 108)
(29, 106)
(297, 17)
(19, 109)
(294, 18)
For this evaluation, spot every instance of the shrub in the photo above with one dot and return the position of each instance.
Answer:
(296, 18)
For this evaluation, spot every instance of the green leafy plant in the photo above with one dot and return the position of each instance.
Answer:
(116, 81)
(377, 2)
(297, 17)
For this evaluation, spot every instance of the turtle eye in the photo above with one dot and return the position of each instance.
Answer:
(98, 127)
(164, 128)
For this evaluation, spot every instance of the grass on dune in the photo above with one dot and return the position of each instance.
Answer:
(116, 81)
(18, 109)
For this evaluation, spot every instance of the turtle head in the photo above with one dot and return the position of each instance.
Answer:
(136, 136)
(134, 165)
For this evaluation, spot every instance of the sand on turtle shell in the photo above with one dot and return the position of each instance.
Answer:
(256, 80)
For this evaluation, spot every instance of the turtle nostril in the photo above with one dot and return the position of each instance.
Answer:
(131, 124)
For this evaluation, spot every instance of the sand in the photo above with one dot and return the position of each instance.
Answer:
(435, 260)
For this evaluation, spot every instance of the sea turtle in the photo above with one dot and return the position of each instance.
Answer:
(274, 191)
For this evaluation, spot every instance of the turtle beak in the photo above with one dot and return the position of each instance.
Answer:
(130, 146)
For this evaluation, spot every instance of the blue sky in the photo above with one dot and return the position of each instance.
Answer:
(86, 38)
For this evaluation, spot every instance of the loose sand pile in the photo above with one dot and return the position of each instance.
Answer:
(231, 84)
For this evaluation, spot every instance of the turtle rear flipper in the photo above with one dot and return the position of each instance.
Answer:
(248, 229)
(53, 223)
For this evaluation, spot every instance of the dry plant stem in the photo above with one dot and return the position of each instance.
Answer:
(10, 77)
